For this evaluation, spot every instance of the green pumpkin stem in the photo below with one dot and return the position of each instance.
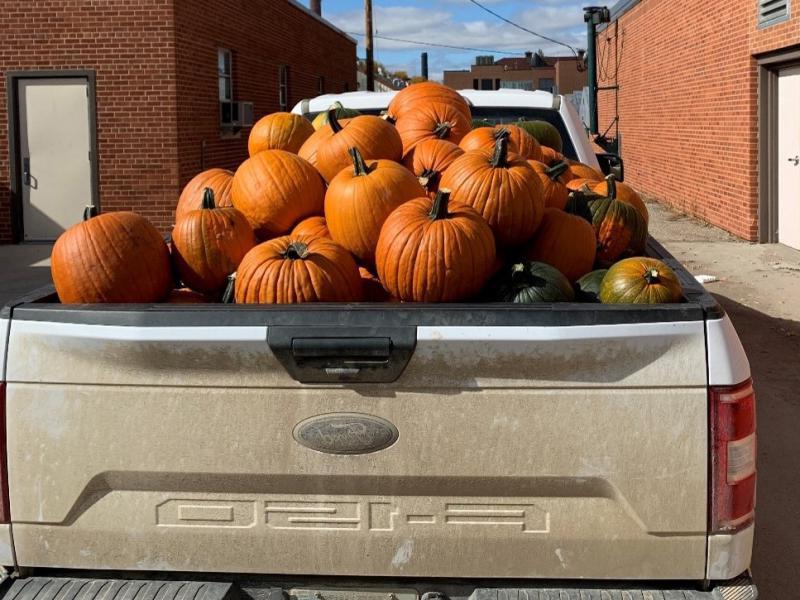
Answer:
(208, 198)
(229, 295)
(439, 209)
(556, 171)
(500, 157)
(429, 179)
(89, 211)
(578, 204)
(333, 120)
(442, 130)
(296, 251)
(359, 166)
(611, 183)
(652, 276)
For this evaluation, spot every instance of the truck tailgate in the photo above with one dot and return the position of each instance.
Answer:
(510, 446)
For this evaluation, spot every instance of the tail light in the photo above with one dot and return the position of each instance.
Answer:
(733, 459)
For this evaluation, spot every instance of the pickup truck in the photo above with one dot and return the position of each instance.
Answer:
(378, 452)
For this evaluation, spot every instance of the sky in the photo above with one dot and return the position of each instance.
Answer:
(459, 23)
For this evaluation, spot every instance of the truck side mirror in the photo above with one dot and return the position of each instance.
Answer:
(611, 164)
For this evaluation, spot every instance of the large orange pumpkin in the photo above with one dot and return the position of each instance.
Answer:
(564, 241)
(219, 180)
(551, 157)
(288, 270)
(208, 244)
(315, 226)
(519, 141)
(578, 170)
(432, 121)
(435, 251)
(114, 257)
(619, 226)
(409, 99)
(279, 131)
(625, 193)
(429, 159)
(502, 187)
(274, 189)
(555, 193)
(360, 198)
(328, 148)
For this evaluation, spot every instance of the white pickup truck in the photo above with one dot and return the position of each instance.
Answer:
(378, 452)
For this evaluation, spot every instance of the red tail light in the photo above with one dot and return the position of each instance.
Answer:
(733, 459)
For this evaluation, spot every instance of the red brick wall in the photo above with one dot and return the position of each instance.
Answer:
(262, 36)
(130, 46)
(688, 101)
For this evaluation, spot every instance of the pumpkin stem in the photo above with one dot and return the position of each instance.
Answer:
(89, 211)
(296, 250)
(442, 130)
(521, 277)
(429, 178)
(439, 208)
(500, 157)
(556, 171)
(333, 120)
(208, 198)
(578, 204)
(611, 183)
(230, 289)
(359, 166)
(388, 118)
(652, 276)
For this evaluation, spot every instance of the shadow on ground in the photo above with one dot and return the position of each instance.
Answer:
(773, 347)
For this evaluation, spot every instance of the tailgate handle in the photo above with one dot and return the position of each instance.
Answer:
(338, 354)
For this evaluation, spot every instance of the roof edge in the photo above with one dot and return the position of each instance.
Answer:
(322, 20)
(621, 7)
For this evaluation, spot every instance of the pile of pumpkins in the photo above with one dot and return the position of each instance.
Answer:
(412, 206)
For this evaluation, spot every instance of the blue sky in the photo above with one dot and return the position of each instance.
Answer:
(459, 23)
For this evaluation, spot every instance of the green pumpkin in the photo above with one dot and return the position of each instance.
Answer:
(529, 282)
(341, 113)
(619, 226)
(545, 133)
(589, 286)
(640, 280)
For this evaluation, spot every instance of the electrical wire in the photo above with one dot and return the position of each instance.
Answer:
(436, 45)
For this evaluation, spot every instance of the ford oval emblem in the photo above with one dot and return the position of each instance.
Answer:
(346, 433)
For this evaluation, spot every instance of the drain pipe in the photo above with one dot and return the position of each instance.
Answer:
(593, 16)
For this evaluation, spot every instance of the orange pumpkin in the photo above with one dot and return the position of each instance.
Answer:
(186, 296)
(429, 159)
(502, 187)
(619, 226)
(435, 251)
(279, 131)
(328, 148)
(640, 280)
(315, 226)
(219, 180)
(432, 121)
(114, 257)
(551, 157)
(274, 189)
(409, 99)
(625, 193)
(208, 244)
(519, 141)
(578, 170)
(579, 184)
(289, 270)
(555, 193)
(564, 241)
(360, 198)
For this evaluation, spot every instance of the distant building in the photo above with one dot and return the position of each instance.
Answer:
(383, 83)
(534, 71)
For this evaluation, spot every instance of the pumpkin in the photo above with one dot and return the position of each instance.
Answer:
(551, 157)
(315, 226)
(626, 194)
(360, 198)
(618, 225)
(640, 280)
(114, 257)
(219, 180)
(432, 121)
(340, 111)
(502, 187)
(579, 184)
(554, 191)
(578, 170)
(528, 283)
(588, 286)
(289, 270)
(429, 159)
(564, 241)
(186, 296)
(274, 189)
(328, 148)
(279, 131)
(208, 244)
(434, 251)
(411, 97)
(519, 142)
(373, 288)
(545, 133)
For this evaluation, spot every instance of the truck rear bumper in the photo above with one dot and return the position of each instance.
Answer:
(68, 588)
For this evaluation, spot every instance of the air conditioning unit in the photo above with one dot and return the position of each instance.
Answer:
(235, 115)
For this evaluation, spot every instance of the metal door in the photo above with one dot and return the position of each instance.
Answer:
(789, 157)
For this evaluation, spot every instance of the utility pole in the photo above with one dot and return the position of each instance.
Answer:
(594, 16)
(368, 45)
(424, 65)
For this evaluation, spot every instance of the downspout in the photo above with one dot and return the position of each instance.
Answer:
(593, 16)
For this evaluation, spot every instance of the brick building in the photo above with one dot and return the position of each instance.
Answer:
(121, 103)
(708, 105)
(533, 72)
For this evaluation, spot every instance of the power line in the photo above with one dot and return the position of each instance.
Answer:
(544, 37)
(433, 44)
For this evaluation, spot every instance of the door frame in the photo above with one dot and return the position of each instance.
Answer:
(769, 67)
(15, 174)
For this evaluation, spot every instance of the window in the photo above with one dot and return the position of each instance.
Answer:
(486, 84)
(320, 85)
(497, 84)
(547, 84)
(772, 11)
(225, 74)
(346, 86)
(475, 84)
(283, 87)
(517, 85)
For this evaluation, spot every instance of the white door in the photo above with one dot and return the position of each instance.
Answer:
(789, 157)
(55, 154)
